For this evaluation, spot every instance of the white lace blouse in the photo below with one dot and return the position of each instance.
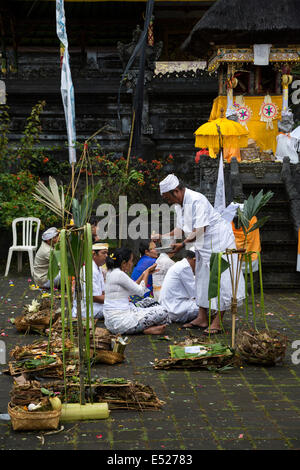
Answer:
(119, 314)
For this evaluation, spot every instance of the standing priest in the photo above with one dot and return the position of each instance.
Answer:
(204, 228)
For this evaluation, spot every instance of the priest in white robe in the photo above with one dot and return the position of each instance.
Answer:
(203, 227)
(178, 292)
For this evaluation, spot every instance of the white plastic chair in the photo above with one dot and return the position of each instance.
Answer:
(27, 245)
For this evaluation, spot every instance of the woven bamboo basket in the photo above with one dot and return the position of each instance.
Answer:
(108, 357)
(33, 420)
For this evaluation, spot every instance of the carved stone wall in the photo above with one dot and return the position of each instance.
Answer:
(177, 104)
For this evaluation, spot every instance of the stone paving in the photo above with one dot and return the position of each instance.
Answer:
(244, 408)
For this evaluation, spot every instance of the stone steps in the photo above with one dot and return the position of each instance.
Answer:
(278, 238)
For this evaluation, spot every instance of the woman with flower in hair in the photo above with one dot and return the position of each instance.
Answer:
(120, 315)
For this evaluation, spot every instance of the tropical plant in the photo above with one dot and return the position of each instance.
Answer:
(28, 154)
(218, 265)
(16, 199)
(73, 257)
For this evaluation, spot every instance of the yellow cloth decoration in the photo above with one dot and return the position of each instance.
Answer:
(253, 239)
(265, 138)
(234, 136)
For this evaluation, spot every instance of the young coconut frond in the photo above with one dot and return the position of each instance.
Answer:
(252, 206)
(51, 197)
(82, 211)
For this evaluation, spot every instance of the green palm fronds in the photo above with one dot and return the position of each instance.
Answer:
(82, 211)
(252, 206)
(53, 197)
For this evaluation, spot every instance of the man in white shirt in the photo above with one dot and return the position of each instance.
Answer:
(203, 226)
(42, 258)
(100, 252)
(178, 292)
(163, 264)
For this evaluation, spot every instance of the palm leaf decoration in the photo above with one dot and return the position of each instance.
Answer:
(51, 197)
(251, 207)
(82, 211)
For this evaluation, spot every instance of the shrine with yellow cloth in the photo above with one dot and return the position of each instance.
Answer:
(264, 137)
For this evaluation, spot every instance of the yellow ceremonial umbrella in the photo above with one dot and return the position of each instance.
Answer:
(224, 133)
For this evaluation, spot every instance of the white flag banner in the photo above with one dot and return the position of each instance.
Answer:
(67, 89)
(220, 202)
(298, 255)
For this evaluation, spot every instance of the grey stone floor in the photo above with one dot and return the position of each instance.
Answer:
(244, 408)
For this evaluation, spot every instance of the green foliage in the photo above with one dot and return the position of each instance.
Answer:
(82, 212)
(251, 208)
(4, 132)
(215, 275)
(16, 200)
(29, 155)
(133, 180)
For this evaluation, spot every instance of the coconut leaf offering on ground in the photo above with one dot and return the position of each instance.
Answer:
(266, 347)
(30, 392)
(36, 316)
(119, 393)
(39, 364)
(197, 350)
(35, 363)
(194, 354)
(40, 347)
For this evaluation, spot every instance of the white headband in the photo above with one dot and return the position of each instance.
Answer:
(100, 246)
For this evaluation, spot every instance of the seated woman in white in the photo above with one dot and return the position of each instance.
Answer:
(121, 316)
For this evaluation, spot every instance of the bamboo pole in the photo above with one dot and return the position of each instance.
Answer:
(130, 142)
(73, 175)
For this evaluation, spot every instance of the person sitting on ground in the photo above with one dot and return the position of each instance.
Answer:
(42, 258)
(100, 251)
(163, 264)
(148, 257)
(178, 292)
(120, 315)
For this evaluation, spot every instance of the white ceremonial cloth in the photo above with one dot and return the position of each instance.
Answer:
(287, 147)
(197, 212)
(98, 289)
(261, 54)
(119, 314)
(163, 264)
(178, 292)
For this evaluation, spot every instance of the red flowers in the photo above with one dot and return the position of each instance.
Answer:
(201, 152)
(45, 160)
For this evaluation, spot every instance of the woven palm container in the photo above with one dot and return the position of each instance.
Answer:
(22, 420)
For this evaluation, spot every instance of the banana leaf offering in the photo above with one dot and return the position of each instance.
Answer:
(38, 362)
(197, 356)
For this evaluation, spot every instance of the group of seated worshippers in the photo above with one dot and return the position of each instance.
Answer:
(125, 302)
(143, 298)
(123, 311)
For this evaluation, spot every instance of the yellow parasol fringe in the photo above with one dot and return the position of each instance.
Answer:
(234, 135)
